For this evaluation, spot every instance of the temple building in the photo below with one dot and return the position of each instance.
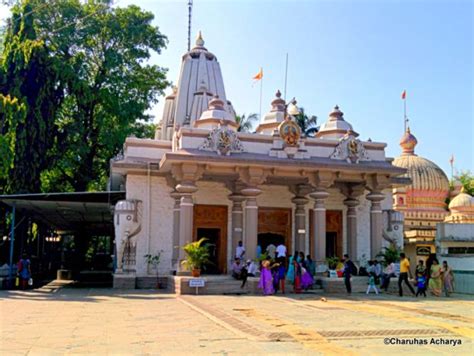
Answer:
(199, 177)
(423, 202)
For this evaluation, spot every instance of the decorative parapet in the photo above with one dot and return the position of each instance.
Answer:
(223, 141)
(350, 149)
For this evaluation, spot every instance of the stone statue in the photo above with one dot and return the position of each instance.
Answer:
(127, 222)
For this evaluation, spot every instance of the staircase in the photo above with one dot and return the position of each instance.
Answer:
(217, 285)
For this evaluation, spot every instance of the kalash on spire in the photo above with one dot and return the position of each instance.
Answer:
(199, 81)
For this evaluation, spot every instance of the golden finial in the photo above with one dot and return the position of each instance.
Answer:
(199, 40)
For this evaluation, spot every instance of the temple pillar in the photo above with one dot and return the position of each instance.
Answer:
(300, 223)
(251, 221)
(176, 214)
(351, 224)
(237, 220)
(186, 210)
(319, 231)
(376, 222)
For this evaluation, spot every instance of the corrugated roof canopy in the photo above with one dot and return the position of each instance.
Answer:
(80, 211)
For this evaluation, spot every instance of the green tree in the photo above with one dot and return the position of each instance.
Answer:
(307, 124)
(97, 57)
(467, 180)
(29, 77)
(246, 122)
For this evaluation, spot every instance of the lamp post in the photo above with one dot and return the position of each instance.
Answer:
(12, 242)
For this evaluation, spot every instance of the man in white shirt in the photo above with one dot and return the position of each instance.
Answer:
(251, 268)
(240, 251)
(281, 250)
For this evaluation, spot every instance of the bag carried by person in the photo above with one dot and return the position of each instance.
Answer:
(17, 281)
(30, 281)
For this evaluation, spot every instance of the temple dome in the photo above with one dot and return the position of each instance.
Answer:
(335, 127)
(430, 186)
(461, 208)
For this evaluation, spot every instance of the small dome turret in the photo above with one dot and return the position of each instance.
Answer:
(335, 127)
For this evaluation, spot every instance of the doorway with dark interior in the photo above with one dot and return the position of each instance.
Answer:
(213, 243)
(331, 244)
(266, 239)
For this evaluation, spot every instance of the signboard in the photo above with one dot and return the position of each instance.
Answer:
(197, 282)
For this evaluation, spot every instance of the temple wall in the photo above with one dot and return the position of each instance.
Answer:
(156, 222)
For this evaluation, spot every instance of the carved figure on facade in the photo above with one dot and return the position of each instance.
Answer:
(350, 149)
(223, 141)
(128, 224)
(290, 132)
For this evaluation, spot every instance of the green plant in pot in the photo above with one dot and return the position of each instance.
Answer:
(332, 264)
(197, 255)
(154, 261)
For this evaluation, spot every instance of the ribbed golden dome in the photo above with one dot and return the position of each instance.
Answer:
(430, 186)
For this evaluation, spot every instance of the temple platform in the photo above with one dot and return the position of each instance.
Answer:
(359, 285)
(213, 285)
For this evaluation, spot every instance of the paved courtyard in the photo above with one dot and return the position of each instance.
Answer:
(53, 320)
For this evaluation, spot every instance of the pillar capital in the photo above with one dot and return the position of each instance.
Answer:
(321, 179)
(351, 202)
(377, 182)
(300, 201)
(236, 198)
(187, 173)
(319, 194)
(375, 197)
(253, 176)
(251, 192)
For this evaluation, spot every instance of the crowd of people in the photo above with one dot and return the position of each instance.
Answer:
(277, 272)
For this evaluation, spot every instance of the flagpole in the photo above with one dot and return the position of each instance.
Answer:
(405, 112)
(261, 91)
(286, 75)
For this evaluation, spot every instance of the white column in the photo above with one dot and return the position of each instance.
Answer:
(351, 224)
(319, 231)
(186, 208)
(175, 240)
(251, 221)
(376, 223)
(300, 223)
(237, 220)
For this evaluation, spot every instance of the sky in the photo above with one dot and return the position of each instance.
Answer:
(358, 54)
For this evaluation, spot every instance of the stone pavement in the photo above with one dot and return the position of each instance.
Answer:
(53, 321)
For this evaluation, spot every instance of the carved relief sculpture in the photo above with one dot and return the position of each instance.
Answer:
(223, 141)
(350, 149)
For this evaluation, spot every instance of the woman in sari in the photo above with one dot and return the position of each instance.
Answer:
(297, 277)
(290, 275)
(266, 280)
(436, 278)
(448, 279)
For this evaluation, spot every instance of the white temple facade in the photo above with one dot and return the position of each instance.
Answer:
(200, 177)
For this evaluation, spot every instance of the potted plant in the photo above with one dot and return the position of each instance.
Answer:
(332, 264)
(154, 261)
(197, 255)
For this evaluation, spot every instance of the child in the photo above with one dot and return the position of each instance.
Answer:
(266, 281)
(421, 284)
(372, 284)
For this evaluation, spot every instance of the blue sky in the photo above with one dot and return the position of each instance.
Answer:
(360, 55)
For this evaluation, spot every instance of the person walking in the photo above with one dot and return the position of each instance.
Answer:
(421, 285)
(349, 269)
(404, 273)
(266, 283)
(436, 278)
(281, 251)
(24, 270)
(388, 273)
(448, 279)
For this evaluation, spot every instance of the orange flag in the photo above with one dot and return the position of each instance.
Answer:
(259, 75)
(404, 94)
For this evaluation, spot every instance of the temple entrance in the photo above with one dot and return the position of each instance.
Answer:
(274, 226)
(210, 221)
(333, 233)
(213, 244)
(264, 240)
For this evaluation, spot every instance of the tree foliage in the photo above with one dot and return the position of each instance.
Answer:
(307, 124)
(467, 180)
(246, 122)
(96, 87)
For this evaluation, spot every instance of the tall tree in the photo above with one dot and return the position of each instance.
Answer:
(29, 77)
(99, 86)
(246, 122)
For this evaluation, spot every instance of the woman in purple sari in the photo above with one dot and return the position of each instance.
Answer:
(266, 280)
